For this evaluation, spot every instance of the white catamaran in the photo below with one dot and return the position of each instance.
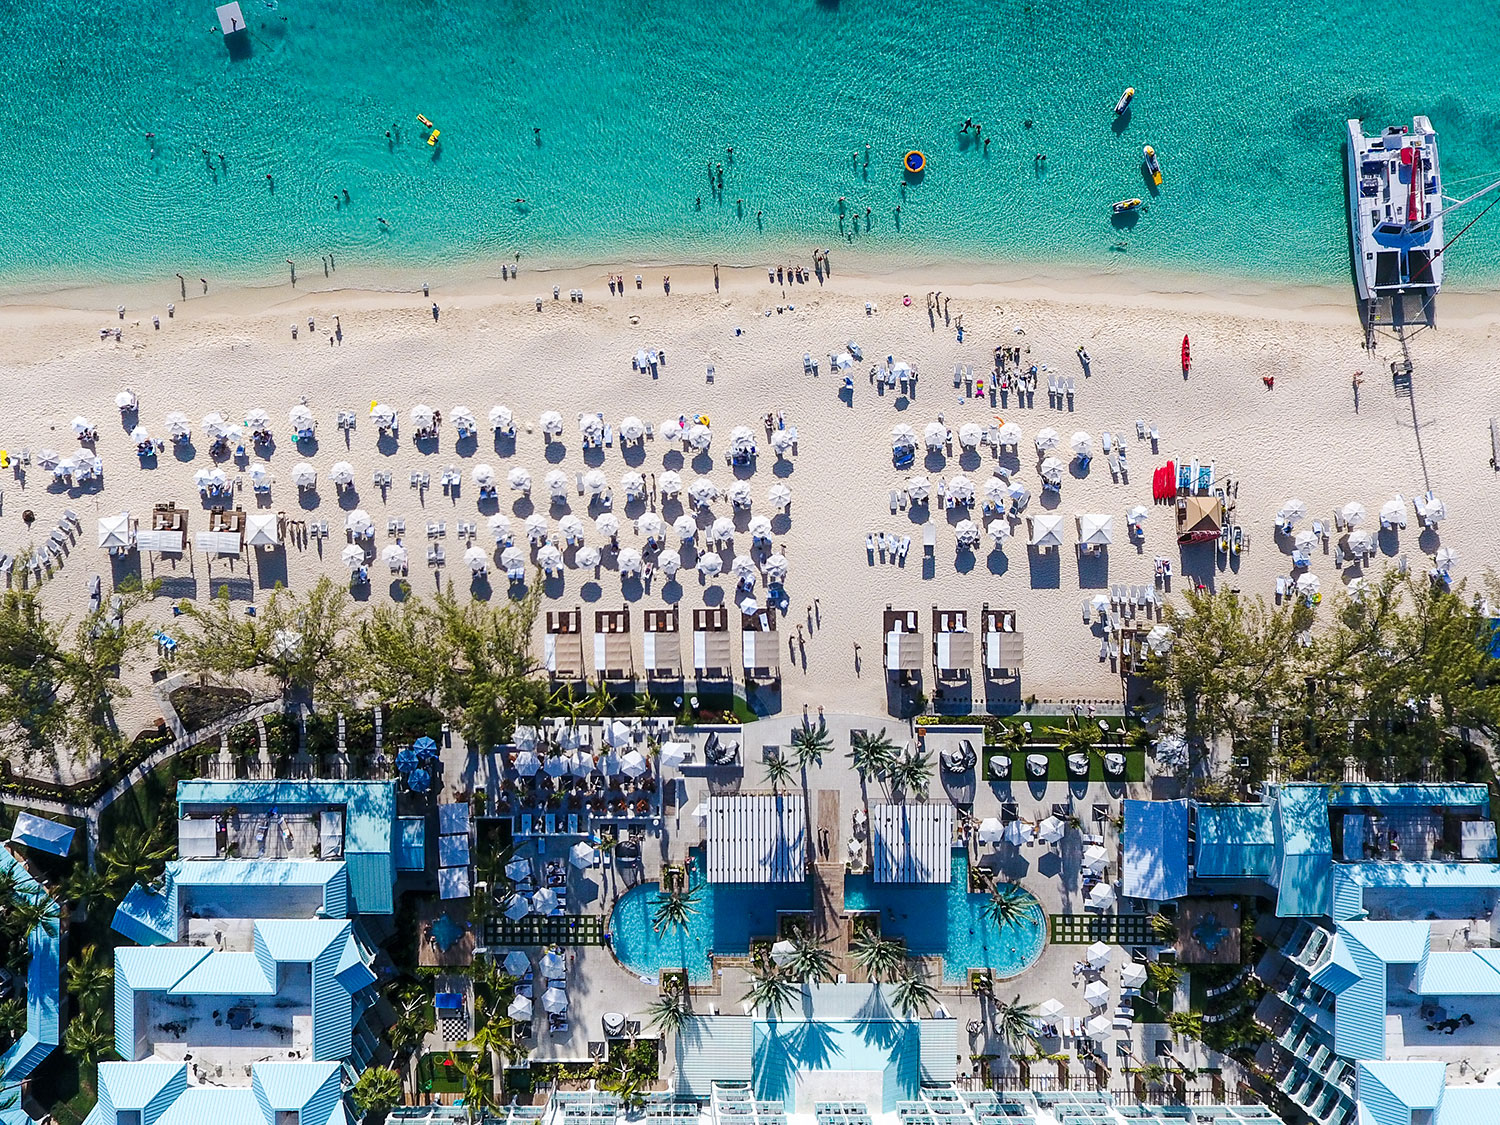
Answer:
(1396, 211)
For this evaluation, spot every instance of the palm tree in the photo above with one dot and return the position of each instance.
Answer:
(377, 1091)
(669, 1014)
(89, 979)
(911, 773)
(1014, 1023)
(135, 856)
(879, 958)
(478, 1083)
(1081, 739)
(872, 754)
(87, 1039)
(413, 1019)
(771, 992)
(810, 961)
(674, 908)
(1011, 905)
(779, 772)
(84, 887)
(912, 994)
(27, 912)
(809, 744)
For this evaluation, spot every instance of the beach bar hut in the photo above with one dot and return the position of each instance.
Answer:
(761, 647)
(612, 655)
(712, 651)
(952, 645)
(903, 642)
(662, 643)
(562, 645)
(1004, 646)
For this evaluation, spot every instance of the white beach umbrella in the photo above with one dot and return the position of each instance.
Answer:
(902, 436)
(537, 528)
(557, 484)
(703, 492)
(551, 422)
(501, 418)
(843, 361)
(1102, 897)
(353, 556)
(743, 567)
(633, 764)
(394, 555)
(1292, 511)
(204, 478)
(140, 435)
(1096, 530)
(935, 435)
(1132, 975)
(1160, 639)
(126, 400)
(630, 561)
(477, 559)
(686, 528)
(1431, 509)
(1096, 993)
(1081, 444)
(1445, 558)
(517, 907)
(1051, 470)
(918, 487)
(699, 436)
(1046, 438)
(544, 902)
(549, 557)
(257, 418)
(520, 479)
(710, 566)
(1359, 542)
(632, 428)
(738, 494)
(554, 1000)
(1051, 830)
(462, 417)
(1393, 511)
(582, 855)
(114, 531)
(595, 482)
(633, 485)
(1305, 540)
(586, 557)
(967, 532)
(304, 475)
(1100, 954)
(775, 567)
(422, 416)
(342, 473)
(995, 490)
(779, 496)
(970, 434)
(1354, 513)
(483, 474)
(1046, 530)
(1308, 585)
(591, 426)
(1009, 435)
(749, 607)
(512, 556)
(722, 530)
(669, 561)
(520, 1008)
(783, 440)
(741, 440)
(48, 458)
(382, 415)
(669, 483)
(651, 525)
(215, 427)
(999, 531)
(178, 425)
(1137, 516)
(961, 488)
(608, 525)
(671, 429)
(258, 472)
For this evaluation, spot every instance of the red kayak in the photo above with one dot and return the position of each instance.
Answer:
(1187, 356)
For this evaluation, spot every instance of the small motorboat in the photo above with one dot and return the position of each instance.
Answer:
(1187, 356)
(1153, 166)
(1126, 205)
(1125, 99)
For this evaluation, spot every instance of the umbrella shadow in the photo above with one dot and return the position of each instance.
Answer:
(998, 562)
(671, 591)
(934, 461)
(348, 498)
(672, 459)
(783, 469)
(505, 444)
(184, 451)
(556, 452)
(633, 454)
(523, 506)
(388, 444)
(1046, 569)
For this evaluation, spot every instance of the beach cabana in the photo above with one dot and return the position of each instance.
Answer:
(264, 530)
(903, 642)
(712, 651)
(1200, 519)
(1154, 843)
(1095, 531)
(1046, 531)
(1004, 646)
(757, 839)
(761, 646)
(912, 843)
(662, 643)
(952, 644)
(114, 532)
(612, 655)
(562, 645)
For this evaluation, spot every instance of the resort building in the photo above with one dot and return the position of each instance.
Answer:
(43, 991)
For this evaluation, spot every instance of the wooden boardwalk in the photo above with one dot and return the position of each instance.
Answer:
(828, 875)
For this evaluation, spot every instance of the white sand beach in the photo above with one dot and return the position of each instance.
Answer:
(232, 351)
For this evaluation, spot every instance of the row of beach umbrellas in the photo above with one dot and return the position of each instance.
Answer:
(1393, 513)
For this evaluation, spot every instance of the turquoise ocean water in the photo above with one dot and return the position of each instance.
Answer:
(1245, 102)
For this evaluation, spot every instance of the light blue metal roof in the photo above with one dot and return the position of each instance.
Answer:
(1465, 973)
(226, 974)
(1389, 1091)
(163, 1096)
(1338, 970)
(232, 888)
(1465, 1105)
(219, 1105)
(1349, 881)
(1360, 1008)
(1236, 841)
(155, 970)
(1420, 796)
(1306, 851)
(145, 1086)
(42, 834)
(713, 1049)
(411, 850)
(1154, 841)
(43, 987)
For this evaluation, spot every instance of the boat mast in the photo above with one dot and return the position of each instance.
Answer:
(1431, 215)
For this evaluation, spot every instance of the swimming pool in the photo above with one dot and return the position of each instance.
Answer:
(933, 919)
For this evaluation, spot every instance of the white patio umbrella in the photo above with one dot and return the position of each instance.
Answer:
(140, 435)
(499, 526)
(544, 901)
(634, 764)
(1308, 584)
(775, 567)
(394, 555)
(743, 567)
(501, 418)
(483, 474)
(703, 492)
(1095, 858)
(630, 561)
(353, 556)
(517, 964)
(1102, 897)
(673, 754)
(783, 440)
(608, 525)
(582, 855)
(779, 496)
(1132, 975)
(1096, 530)
(710, 566)
(671, 429)
(512, 556)
(1046, 530)
(358, 522)
(342, 473)
(304, 475)
(967, 532)
(555, 1000)
(669, 561)
(1050, 1009)
(422, 416)
(177, 423)
(935, 435)
(1160, 639)
(48, 458)
(738, 494)
(551, 422)
(741, 440)
(1431, 509)
(1081, 444)
(462, 417)
(1100, 954)
(549, 557)
(1010, 435)
(1359, 542)
(1017, 832)
(1445, 557)
(783, 952)
(126, 400)
(114, 531)
(633, 485)
(1393, 511)
(669, 483)
(843, 361)
(586, 557)
(557, 484)
(1354, 513)
(970, 434)
(699, 436)
(902, 436)
(525, 739)
(581, 764)
(686, 528)
(520, 479)
(537, 528)
(617, 734)
(382, 415)
(215, 426)
(477, 559)
(552, 965)
(918, 488)
(1046, 438)
(722, 530)
(1051, 830)
(961, 488)
(595, 482)
(520, 1008)
(991, 831)
(1305, 540)
(1098, 1027)
(517, 907)
(652, 526)
(1096, 993)
(1051, 470)
(995, 490)
(257, 418)
(1137, 516)
(632, 428)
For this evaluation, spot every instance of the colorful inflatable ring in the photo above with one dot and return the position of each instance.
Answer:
(915, 162)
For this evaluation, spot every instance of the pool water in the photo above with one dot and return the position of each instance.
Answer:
(933, 919)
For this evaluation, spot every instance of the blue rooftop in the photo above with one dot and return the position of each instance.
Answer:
(43, 986)
(161, 1094)
(1154, 840)
(232, 888)
(1410, 796)
(1235, 841)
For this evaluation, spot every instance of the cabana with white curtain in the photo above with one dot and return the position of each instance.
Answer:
(757, 839)
(912, 843)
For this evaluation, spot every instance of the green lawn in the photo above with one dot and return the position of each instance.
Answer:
(433, 1076)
